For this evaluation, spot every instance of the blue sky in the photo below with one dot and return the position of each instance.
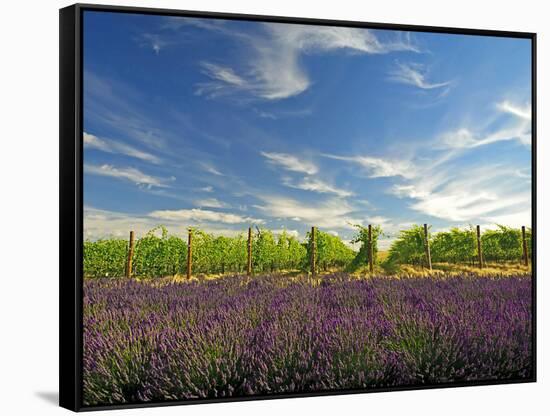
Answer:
(223, 124)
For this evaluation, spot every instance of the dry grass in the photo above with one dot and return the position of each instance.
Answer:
(403, 271)
(490, 269)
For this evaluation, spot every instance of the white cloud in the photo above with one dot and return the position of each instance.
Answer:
(274, 72)
(110, 146)
(379, 167)
(316, 185)
(465, 139)
(208, 167)
(275, 115)
(523, 173)
(465, 194)
(211, 203)
(130, 174)
(153, 41)
(330, 213)
(207, 189)
(310, 38)
(410, 191)
(515, 219)
(215, 25)
(519, 128)
(377, 220)
(292, 233)
(523, 112)
(466, 205)
(99, 223)
(415, 74)
(224, 74)
(290, 162)
(202, 215)
(485, 193)
(459, 139)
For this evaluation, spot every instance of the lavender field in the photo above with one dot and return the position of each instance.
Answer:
(241, 336)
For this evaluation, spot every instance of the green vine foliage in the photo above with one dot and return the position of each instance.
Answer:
(504, 244)
(409, 247)
(105, 258)
(158, 253)
(331, 252)
(159, 256)
(458, 245)
(362, 236)
(454, 246)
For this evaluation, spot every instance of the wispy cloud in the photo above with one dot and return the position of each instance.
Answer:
(380, 167)
(179, 22)
(523, 173)
(316, 185)
(519, 128)
(203, 215)
(329, 213)
(210, 168)
(378, 220)
(117, 106)
(111, 146)
(416, 75)
(123, 110)
(273, 70)
(211, 203)
(290, 162)
(466, 139)
(463, 194)
(128, 174)
(523, 112)
(278, 114)
(445, 187)
(225, 81)
(154, 41)
(515, 219)
(101, 223)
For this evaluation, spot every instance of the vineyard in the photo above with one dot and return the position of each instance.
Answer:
(159, 254)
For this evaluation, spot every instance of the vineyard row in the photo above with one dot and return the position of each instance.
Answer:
(263, 252)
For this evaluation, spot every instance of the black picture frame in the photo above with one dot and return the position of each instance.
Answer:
(71, 196)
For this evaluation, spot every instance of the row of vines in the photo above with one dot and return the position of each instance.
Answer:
(501, 245)
(160, 254)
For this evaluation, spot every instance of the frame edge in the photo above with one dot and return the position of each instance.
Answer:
(70, 375)
(534, 153)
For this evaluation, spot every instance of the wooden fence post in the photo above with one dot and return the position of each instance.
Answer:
(189, 253)
(524, 244)
(479, 252)
(130, 255)
(427, 247)
(370, 248)
(249, 264)
(313, 251)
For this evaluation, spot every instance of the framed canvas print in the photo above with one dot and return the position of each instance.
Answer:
(259, 207)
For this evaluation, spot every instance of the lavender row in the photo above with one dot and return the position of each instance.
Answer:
(273, 334)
